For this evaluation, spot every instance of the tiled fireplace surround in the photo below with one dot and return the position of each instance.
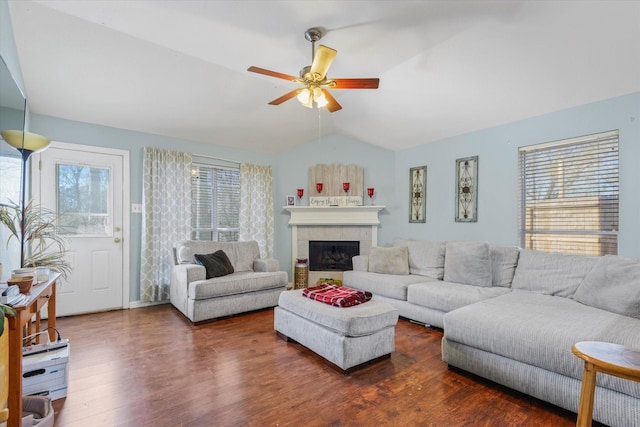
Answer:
(338, 223)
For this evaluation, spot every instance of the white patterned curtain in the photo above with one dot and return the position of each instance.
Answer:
(256, 207)
(167, 217)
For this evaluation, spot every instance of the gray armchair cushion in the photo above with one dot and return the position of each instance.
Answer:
(241, 254)
(266, 265)
(468, 263)
(613, 285)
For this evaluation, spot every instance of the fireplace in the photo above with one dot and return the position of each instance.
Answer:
(332, 255)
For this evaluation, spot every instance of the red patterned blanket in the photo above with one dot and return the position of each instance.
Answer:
(337, 296)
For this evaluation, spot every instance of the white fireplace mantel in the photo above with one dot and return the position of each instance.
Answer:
(329, 216)
(334, 215)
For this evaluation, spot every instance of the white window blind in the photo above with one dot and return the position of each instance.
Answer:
(215, 195)
(569, 195)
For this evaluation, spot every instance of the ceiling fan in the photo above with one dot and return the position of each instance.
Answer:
(314, 78)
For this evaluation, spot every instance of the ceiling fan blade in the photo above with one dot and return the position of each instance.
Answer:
(271, 73)
(322, 61)
(356, 83)
(332, 104)
(287, 96)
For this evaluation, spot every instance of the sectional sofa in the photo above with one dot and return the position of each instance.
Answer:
(512, 315)
(214, 279)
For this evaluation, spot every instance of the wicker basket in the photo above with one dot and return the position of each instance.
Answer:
(23, 282)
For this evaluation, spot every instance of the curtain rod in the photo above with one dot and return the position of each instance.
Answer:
(216, 158)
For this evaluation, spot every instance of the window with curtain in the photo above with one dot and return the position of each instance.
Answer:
(215, 203)
(569, 195)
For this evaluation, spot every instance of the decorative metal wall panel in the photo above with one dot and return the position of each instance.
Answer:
(467, 189)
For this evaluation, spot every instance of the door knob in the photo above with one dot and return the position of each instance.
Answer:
(117, 239)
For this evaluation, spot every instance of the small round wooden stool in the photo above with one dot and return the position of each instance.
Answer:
(610, 359)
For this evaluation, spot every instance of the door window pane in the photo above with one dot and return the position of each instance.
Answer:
(83, 199)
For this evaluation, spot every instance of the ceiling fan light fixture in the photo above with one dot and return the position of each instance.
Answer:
(319, 98)
(304, 96)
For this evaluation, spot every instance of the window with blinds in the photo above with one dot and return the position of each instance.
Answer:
(215, 203)
(569, 195)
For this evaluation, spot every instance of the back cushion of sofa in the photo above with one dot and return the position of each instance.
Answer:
(504, 260)
(551, 273)
(425, 258)
(241, 254)
(394, 260)
(613, 285)
(467, 263)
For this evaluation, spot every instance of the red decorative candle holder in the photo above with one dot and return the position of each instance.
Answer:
(345, 186)
(370, 191)
(300, 193)
(319, 187)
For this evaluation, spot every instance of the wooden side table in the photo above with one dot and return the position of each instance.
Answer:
(41, 294)
(608, 358)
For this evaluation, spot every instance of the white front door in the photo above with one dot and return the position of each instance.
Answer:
(88, 188)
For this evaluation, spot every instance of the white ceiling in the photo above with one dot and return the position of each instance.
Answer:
(179, 68)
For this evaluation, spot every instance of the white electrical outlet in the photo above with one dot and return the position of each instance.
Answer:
(136, 208)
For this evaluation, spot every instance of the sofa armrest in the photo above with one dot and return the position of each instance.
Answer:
(183, 274)
(360, 263)
(266, 265)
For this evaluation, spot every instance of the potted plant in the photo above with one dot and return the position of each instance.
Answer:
(5, 310)
(36, 230)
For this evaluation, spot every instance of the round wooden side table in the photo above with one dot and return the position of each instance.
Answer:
(608, 358)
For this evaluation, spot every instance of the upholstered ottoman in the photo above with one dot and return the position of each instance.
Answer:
(345, 337)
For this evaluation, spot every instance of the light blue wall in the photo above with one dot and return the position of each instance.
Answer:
(292, 172)
(497, 149)
(101, 136)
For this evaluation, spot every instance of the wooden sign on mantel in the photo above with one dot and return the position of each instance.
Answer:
(332, 178)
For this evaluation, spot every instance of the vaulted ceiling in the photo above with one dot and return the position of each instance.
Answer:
(179, 68)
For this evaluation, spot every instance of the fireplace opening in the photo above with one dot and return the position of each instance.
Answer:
(332, 255)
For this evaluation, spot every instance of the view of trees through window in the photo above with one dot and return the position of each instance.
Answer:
(83, 199)
(215, 203)
(569, 195)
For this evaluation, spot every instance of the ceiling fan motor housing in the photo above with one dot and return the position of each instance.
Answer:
(313, 34)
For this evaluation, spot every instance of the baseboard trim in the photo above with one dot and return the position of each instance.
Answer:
(140, 304)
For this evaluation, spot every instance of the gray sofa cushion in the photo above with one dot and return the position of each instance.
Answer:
(504, 260)
(551, 273)
(394, 260)
(388, 285)
(236, 283)
(360, 320)
(241, 254)
(467, 263)
(613, 285)
(540, 330)
(447, 296)
(425, 258)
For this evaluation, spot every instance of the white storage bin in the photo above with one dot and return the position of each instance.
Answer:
(46, 374)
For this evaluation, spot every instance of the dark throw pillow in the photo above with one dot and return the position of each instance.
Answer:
(217, 264)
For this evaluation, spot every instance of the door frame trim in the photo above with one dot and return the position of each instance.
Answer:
(126, 201)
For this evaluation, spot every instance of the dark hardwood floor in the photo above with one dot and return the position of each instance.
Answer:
(150, 367)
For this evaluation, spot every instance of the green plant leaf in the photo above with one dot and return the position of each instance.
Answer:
(5, 311)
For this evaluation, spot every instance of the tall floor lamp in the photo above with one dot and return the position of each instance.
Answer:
(27, 143)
